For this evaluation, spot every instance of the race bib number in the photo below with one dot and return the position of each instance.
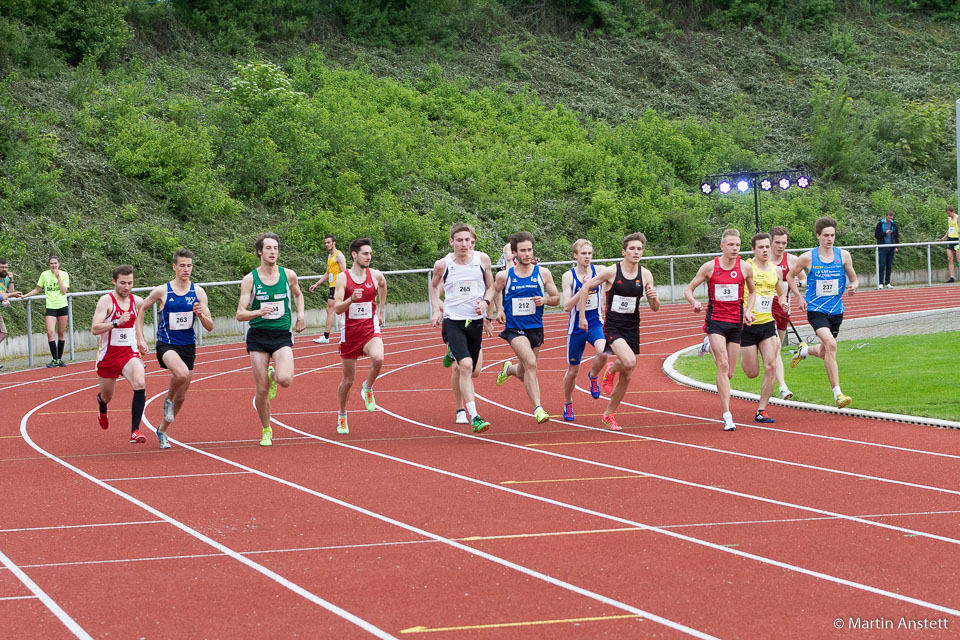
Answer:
(623, 304)
(330, 278)
(726, 292)
(180, 320)
(361, 310)
(277, 310)
(593, 302)
(123, 337)
(827, 288)
(523, 307)
(764, 304)
(466, 289)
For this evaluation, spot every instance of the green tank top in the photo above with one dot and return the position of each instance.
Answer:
(278, 294)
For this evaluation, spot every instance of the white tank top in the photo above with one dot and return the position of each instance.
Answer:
(463, 286)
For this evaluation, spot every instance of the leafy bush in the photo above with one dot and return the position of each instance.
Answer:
(839, 137)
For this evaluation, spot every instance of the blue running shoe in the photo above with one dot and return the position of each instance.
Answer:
(594, 387)
(568, 411)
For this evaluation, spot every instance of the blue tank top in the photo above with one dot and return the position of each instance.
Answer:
(593, 300)
(826, 283)
(519, 308)
(177, 318)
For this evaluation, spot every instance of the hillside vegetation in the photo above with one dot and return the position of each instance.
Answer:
(129, 130)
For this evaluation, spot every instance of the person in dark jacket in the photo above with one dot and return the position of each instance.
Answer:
(886, 233)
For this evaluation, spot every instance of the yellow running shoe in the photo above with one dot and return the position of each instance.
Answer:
(342, 427)
(503, 375)
(273, 384)
(367, 397)
(541, 415)
(267, 438)
(843, 401)
(797, 358)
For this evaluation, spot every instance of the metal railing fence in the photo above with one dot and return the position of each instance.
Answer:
(671, 259)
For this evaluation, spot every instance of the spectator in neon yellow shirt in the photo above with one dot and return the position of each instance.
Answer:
(54, 284)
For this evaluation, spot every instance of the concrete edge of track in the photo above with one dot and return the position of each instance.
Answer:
(676, 376)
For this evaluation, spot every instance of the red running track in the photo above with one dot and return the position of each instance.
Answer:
(413, 527)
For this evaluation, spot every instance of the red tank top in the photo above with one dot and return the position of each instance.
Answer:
(725, 288)
(121, 341)
(363, 311)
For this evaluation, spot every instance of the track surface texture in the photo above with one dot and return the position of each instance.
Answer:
(818, 526)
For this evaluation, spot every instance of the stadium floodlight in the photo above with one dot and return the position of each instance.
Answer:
(740, 181)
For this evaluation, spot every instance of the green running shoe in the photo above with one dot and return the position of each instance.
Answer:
(503, 375)
(448, 359)
(267, 438)
(541, 415)
(273, 384)
(368, 398)
(479, 425)
(342, 427)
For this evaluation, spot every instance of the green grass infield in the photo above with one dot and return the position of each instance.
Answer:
(913, 375)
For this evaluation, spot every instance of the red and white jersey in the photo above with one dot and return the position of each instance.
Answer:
(725, 288)
(361, 323)
(784, 268)
(119, 344)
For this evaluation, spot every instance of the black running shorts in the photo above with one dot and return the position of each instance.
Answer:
(819, 320)
(463, 339)
(187, 353)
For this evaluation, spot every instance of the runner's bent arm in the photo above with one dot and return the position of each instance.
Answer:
(803, 262)
(649, 289)
(434, 289)
(566, 285)
(487, 300)
(604, 276)
(382, 296)
(100, 325)
(751, 292)
(339, 304)
(246, 296)
(138, 326)
(201, 308)
(550, 287)
(297, 294)
(852, 282)
(703, 274)
(157, 294)
(498, 286)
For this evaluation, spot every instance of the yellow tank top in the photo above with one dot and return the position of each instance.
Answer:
(765, 283)
(952, 229)
(333, 268)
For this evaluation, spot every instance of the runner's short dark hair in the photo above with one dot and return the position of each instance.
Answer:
(182, 253)
(269, 235)
(520, 236)
(357, 244)
(123, 270)
(633, 237)
(823, 223)
(757, 238)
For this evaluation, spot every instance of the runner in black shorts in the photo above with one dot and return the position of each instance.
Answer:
(466, 280)
(181, 302)
(820, 320)
(627, 283)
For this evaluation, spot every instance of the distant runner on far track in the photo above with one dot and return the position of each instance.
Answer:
(356, 296)
(830, 270)
(121, 343)
(181, 301)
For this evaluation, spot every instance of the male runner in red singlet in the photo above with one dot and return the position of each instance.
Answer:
(121, 343)
(356, 295)
(726, 276)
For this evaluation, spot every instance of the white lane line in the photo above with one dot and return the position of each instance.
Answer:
(80, 526)
(49, 602)
(272, 575)
(453, 543)
(183, 475)
(8, 598)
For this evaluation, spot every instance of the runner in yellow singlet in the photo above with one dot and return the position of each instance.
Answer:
(336, 264)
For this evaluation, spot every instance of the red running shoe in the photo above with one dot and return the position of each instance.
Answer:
(136, 438)
(610, 422)
(606, 380)
(104, 420)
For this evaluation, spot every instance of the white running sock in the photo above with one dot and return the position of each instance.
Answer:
(727, 416)
(804, 352)
(471, 409)
(836, 392)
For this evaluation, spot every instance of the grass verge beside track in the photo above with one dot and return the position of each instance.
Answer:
(912, 375)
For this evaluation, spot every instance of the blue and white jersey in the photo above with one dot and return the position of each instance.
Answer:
(518, 296)
(592, 306)
(176, 318)
(826, 283)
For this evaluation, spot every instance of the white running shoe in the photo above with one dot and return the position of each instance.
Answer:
(889, 286)
(728, 425)
(321, 340)
(879, 287)
(785, 394)
(704, 347)
(462, 417)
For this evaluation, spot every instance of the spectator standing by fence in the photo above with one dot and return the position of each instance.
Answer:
(886, 233)
(54, 283)
(953, 235)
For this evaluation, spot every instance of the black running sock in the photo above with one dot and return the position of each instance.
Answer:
(53, 348)
(60, 344)
(136, 408)
(326, 334)
(102, 404)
